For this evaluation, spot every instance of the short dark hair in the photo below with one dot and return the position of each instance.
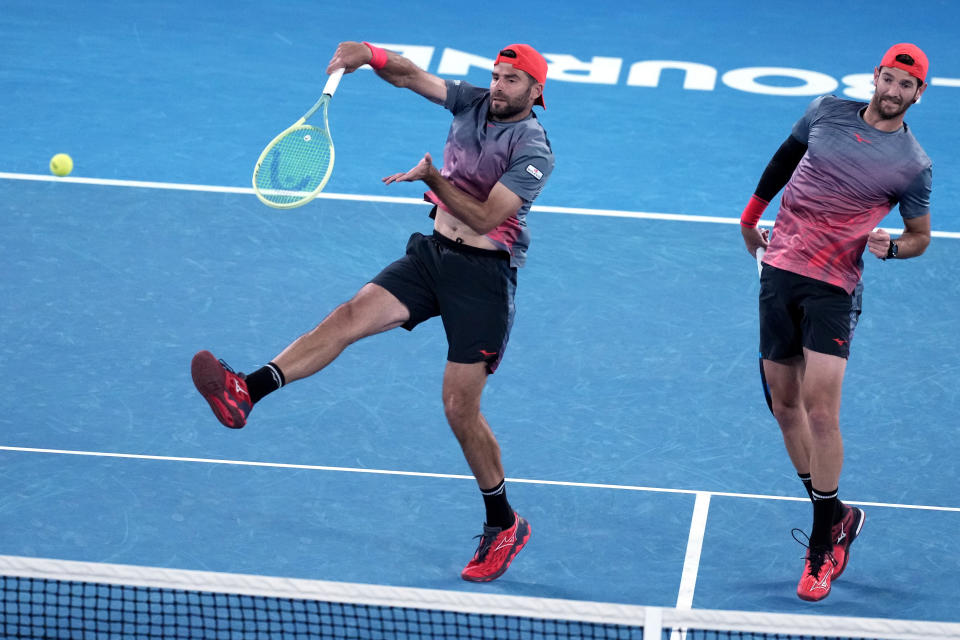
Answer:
(905, 59)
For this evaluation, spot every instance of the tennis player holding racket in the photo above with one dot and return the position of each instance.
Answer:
(844, 165)
(496, 161)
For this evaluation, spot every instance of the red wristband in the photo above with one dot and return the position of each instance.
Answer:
(379, 59)
(753, 211)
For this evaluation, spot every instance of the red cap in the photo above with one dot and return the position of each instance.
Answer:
(527, 59)
(919, 67)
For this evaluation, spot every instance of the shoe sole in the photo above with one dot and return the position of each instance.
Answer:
(809, 599)
(853, 536)
(522, 526)
(208, 378)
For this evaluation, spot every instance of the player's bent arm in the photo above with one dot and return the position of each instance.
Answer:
(780, 168)
(402, 72)
(775, 176)
(911, 243)
(392, 67)
(915, 237)
(481, 216)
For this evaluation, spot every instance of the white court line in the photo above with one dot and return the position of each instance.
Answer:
(610, 213)
(424, 474)
(175, 186)
(691, 562)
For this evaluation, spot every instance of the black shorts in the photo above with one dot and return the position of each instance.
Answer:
(471, 289)
(797, 312)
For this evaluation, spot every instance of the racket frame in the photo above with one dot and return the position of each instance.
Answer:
(328, 90)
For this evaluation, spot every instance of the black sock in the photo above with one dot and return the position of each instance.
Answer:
(264, 380)
(807, 483)
(838, 512)
(824, 506)
(499, 512)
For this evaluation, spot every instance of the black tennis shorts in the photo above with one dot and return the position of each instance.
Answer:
(797, 312)
(471, 289)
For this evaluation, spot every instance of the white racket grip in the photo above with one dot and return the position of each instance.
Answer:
(760, 252)
(331, 87)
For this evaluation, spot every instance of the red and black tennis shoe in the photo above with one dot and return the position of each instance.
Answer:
(223, 388)
(819, 570)
(497, 549)
(843, 534)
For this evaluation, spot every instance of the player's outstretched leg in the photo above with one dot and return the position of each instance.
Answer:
(224, 389)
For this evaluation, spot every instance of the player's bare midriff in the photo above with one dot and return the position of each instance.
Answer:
(446, 225)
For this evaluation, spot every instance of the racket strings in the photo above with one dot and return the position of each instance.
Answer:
(296, 166)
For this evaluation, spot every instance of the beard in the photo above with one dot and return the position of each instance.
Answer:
(888, 108)
(507, 108)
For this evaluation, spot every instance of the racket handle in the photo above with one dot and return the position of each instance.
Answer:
(760, 252)
(330, 88)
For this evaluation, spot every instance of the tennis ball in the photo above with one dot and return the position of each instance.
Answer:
(61, 164)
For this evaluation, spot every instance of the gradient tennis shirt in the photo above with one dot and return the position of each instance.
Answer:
(481, 152)
(850, 177)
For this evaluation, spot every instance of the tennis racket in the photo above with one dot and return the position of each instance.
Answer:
(296, 165)
(763, 376)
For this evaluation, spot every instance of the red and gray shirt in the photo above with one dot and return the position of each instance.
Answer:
(481, 152)
(850, 177)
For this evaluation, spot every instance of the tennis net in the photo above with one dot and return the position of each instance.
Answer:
(45, 598)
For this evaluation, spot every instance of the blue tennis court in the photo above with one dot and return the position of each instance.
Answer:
(628, 405)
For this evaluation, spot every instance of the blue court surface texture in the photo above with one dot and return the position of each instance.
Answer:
(629, 394)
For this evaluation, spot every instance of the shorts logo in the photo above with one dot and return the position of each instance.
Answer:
(487, 354)
(839, 341)
(536, 173)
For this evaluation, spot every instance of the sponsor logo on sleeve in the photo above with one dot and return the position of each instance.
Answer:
(536, 173)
